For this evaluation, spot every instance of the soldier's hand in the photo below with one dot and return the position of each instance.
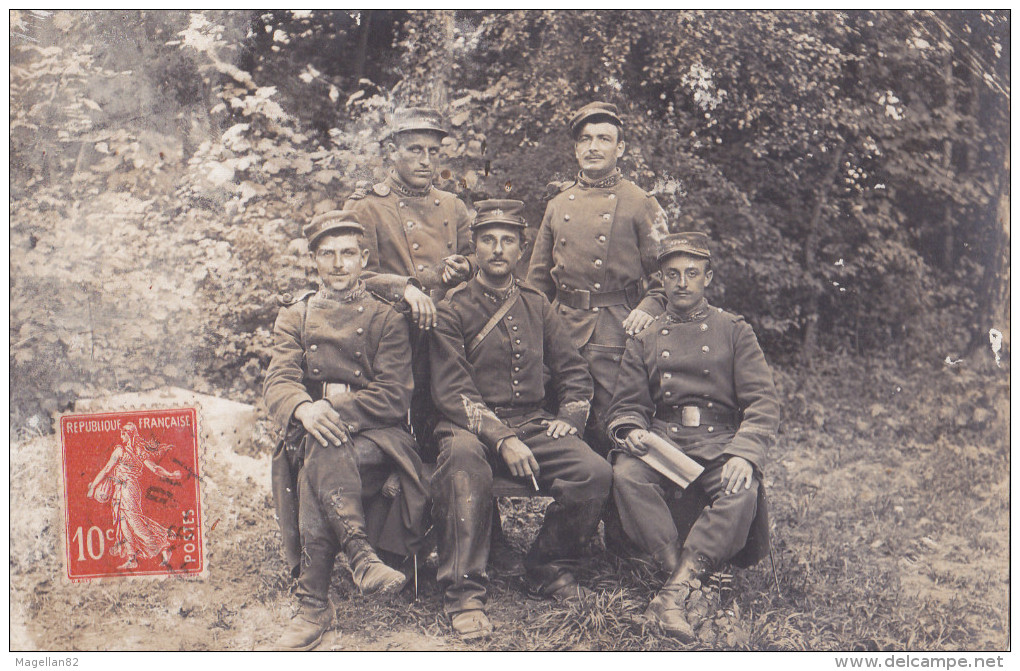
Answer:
(736, 473)
(637, 321)
(518, 457)
(557, 428)
(634, 442)
(456, 269)
(423, 310)
(322, 422)
(391, 487)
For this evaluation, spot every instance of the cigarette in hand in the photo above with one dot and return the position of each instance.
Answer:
(534, 481)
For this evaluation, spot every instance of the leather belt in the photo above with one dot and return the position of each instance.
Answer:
(582, 299)
(695, 415)
(508, 411)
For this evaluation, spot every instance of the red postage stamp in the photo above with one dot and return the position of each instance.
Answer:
(131, 494)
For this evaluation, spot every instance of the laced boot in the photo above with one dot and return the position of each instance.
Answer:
(668, 608)
(306, 629)
(371, 575)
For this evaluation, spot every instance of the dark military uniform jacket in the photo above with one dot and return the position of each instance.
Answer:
(599, 238)
(506, 372)
(359, 341)
(408, 235)
(710, 359)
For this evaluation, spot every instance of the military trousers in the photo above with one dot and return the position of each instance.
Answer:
(332, 484)
(719, 533)
(569, 471)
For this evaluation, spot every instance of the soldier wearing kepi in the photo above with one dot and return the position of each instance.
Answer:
(494, 339)
(417, 235)
(347, 474)
(595, 254)
(698, 378)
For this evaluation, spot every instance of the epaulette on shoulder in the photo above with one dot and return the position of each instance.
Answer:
(554, 189)
(288, 299)
(400, 306)
(381, 189)
(457, 289)
(524, 286)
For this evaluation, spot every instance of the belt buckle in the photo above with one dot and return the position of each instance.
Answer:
(585, 298)
(690, 416)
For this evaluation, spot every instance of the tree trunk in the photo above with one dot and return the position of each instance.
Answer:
(948, 252)
(993, 311)
(809, 344)
(361, 57)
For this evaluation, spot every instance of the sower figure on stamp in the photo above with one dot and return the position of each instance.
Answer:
(698, 378)
(417, 237)
(493, 340)
(347, 474)
(594, 255)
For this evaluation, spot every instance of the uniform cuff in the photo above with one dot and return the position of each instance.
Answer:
(619, 427)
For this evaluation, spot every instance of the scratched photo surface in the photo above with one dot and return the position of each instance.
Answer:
(851, 170)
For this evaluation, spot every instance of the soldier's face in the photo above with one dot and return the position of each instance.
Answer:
(597, 149)
(415, 157)
(685, 278)
(339, 260)
(497, 250)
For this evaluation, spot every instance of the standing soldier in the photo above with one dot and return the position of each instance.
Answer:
(494, 341)
(595, 255)
(346, 475)
(417, 236)
(699, 379)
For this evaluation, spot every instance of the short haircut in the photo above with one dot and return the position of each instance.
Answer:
(336, 234)
(600, 118)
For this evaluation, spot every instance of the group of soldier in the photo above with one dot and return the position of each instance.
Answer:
(562, 379)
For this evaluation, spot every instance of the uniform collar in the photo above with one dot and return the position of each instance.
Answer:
(697, 313)
(349, 296)
(604, 183)
(403, 189)
(497, 295)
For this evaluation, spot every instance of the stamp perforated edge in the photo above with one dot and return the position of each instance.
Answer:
(99, 406)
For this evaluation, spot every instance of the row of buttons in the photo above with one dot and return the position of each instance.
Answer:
(665, 352)
(703, 327)
(403, 204)
(601, 238)
(675, 429)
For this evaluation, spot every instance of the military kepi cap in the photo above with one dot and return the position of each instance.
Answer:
(594, 109)
(335, 221)
(415, 119)
(506, 212)
(691, 242)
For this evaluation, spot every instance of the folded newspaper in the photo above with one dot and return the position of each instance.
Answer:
(666, 458)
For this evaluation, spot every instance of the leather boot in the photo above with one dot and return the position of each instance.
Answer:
(462, 512)
(371, 575)
(306, 629)
(551, 561)
(668, 608)
(668, 558)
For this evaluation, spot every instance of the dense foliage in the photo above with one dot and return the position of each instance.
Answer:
(852, 168)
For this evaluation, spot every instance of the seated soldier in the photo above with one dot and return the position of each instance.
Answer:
(698, 378)
(347, 474)
(492, 340)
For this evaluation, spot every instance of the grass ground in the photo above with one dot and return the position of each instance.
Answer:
(889, 498)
